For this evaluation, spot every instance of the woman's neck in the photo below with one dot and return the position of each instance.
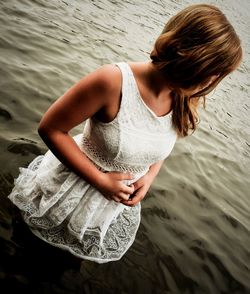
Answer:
(153, 87)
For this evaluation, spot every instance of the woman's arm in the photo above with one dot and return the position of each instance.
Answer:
(142, 185)
(98, 91)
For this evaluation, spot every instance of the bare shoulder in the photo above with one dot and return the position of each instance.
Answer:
(102, 84)
(110, 70)
(95, 92)
(109, 90)
(108, 77)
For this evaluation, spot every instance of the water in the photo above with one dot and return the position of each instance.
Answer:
(194, 234)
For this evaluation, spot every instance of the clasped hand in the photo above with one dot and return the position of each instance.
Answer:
(113, 188)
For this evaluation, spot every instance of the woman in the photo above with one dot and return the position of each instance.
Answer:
(84, 195)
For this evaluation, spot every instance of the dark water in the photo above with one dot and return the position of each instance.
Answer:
(194, 235)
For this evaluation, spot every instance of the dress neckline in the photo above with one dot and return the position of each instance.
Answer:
(169, 114)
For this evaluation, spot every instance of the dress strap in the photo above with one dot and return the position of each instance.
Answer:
(126, 79)
(127, 91)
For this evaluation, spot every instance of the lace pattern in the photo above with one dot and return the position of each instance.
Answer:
(99, 232)
(97, 156)
(135, 139)
(66, 211)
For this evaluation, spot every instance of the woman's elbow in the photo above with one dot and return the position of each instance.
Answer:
(44, 130)
(47, 132)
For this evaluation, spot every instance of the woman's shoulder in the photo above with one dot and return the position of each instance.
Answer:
(109, 74)
(102, 82)
(111, 79)
(106, 86)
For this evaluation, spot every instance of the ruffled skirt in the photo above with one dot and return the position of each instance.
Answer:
(66, 211)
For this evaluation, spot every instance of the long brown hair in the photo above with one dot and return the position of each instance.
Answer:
(196, 44)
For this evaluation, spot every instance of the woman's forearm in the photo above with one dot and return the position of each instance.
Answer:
(67, 151)
(154, 169)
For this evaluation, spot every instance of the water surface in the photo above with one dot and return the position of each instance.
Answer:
(194, 234)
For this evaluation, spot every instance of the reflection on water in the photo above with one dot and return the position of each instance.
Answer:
(194, 235)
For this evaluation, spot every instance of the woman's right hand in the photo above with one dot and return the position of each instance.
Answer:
(112, 186)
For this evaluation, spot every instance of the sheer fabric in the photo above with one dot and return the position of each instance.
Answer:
(65, 210)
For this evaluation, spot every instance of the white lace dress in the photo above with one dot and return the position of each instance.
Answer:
(65, 210)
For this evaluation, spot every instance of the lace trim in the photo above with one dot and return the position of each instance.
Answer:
(119, 237)
(96, 244)
(107, 165)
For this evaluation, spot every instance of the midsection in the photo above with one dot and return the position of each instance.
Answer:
(123, 149)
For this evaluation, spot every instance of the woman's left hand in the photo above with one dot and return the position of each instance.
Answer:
(141, 187)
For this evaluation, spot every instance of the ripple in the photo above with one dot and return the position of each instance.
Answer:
(5, 114)
(194, 234)
(24, 148)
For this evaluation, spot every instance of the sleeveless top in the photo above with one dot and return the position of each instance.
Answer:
(135, 139)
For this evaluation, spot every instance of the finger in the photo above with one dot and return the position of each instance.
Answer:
(124, 196)
(125, 202)
(138, 184)
(116, 199)
(128, 189)
(128, 203)
(121, 176)
(136, 199)
(126, 176)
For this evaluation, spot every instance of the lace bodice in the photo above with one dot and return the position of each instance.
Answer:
(135, 139)
(65, 210)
